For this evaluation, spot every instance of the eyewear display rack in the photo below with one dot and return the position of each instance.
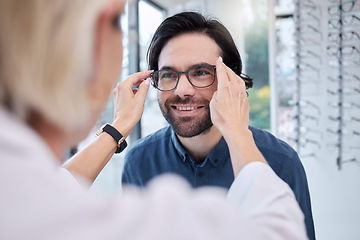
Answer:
(326, 101)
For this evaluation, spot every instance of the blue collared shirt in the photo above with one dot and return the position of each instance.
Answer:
(161, 152)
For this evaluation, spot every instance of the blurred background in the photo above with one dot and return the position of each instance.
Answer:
(304, 56)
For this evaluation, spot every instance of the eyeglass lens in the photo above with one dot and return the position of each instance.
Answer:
(199, 76)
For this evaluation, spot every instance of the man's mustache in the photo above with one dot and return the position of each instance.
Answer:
(187, 100)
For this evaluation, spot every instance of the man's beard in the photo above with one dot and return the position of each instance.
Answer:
(186, 127)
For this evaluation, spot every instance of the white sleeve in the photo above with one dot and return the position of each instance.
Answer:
(261, 207)
(50, 204)
(267, 204)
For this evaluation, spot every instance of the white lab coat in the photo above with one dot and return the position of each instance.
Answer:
(42, 201)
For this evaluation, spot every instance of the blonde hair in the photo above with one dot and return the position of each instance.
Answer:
(46, 58)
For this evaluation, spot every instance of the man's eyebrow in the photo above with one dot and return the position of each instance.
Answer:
(188, 67)
(167, 68)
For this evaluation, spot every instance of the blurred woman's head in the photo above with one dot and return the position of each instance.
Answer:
(55, 59)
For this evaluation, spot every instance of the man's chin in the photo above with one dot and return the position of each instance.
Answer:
(188, 126)
(191, 131)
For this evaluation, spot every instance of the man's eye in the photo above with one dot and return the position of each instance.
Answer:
(167, 75)
(200, 73)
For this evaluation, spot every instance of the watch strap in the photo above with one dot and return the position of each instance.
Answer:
(118, 137)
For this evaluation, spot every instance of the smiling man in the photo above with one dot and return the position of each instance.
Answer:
(182, 104)
(183, 53)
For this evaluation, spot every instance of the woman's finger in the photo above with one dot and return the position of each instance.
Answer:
(235, 79)
(136, 77)
(143, 89)
(221, 74)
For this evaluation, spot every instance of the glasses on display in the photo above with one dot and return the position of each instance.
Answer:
(306, 67)
(306, 130)
(345, 63)
(305, 141)
(306, 103)
(344, 104)
(345, 133)
(346, 119)
(347, 77)
(348, 20)
(308, 41)
(344, 148)
(344, 7)
(350, 77)
(309, 16)
(345, 50)
(304, 117)
(345, 36)
(308, 4)
(309, 54)
(199, 76)
(309, 29)
(345, 91)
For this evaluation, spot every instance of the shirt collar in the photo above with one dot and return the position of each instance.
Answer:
(218, 155)
(182, 152)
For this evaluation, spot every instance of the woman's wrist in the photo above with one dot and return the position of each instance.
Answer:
(243, 149)
(123, 126)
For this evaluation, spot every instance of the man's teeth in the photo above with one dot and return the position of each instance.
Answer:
(185, 108)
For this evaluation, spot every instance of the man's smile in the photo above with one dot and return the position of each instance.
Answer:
(185, 109)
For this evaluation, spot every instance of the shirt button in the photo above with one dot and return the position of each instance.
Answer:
(201, 174)
(216, 160)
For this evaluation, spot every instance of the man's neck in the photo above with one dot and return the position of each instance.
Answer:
(201, 145)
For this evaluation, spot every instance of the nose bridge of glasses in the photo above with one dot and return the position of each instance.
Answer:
(184, 86)
(181, 76)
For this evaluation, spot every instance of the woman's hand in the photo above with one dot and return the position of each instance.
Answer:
(129, 102)
(128, 108)
(229, 109)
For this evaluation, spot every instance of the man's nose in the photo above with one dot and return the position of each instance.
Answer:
(184, 87)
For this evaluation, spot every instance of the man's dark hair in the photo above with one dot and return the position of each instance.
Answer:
(193, 22)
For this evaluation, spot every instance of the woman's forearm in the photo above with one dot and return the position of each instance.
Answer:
(89, 162)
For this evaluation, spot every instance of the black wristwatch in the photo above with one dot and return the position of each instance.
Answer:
(121, 143)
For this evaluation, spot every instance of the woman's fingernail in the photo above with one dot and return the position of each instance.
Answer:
(221, 59)
(147, 81)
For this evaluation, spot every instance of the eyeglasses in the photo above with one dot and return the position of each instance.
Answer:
(346, 35)
(308, 28)
(345, 119)
(335, 23)
(308, 4)
(303, 66)
(345, 50)
(307, 54)
(199, 76)
(345, 76)
(345, 7)
(345, 63)
(345, 91)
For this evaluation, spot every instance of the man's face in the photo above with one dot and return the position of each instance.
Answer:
(187, 108)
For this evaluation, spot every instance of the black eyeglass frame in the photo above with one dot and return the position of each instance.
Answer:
(187, 76)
